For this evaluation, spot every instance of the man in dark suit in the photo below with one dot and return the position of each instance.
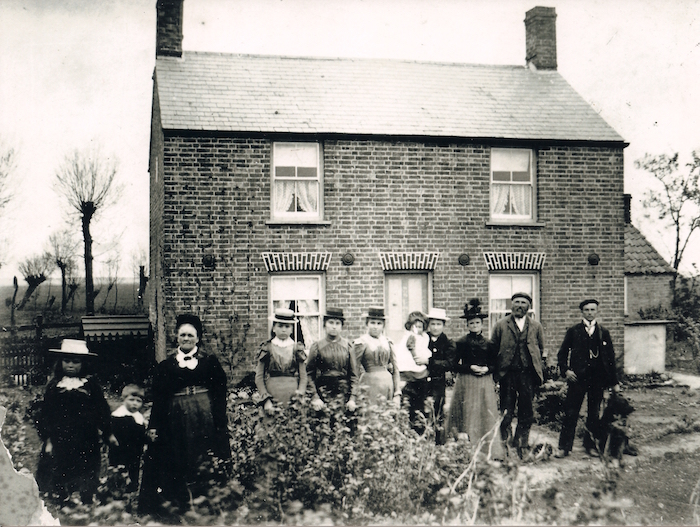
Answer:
(587, 360)
(518, 342)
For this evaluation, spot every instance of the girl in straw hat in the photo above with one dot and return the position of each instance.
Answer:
(474, 409)
(375, 353)
(281, 372)
(73, 413)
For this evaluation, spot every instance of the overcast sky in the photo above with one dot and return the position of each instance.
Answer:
(79, 72)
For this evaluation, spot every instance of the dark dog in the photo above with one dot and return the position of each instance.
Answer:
(612, 436)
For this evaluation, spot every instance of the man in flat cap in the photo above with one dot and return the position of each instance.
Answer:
(518, 342)
(587, 360)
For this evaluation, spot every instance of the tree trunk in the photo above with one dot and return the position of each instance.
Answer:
(88, 211)
(13, 305)
(33, 282)
(64, 289)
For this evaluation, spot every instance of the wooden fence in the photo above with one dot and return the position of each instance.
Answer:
(24, 350)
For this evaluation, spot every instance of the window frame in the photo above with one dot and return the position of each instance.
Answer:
(321, 276)
(535, 309)
(513, 218)
(296, 217)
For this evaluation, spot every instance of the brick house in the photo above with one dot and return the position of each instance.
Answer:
(649, 278)
(311, 182)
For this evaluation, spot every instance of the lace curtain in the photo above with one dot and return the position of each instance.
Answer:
(520, 199)
(499, 199)
(284, 195)
(511, 199)
(307, 196)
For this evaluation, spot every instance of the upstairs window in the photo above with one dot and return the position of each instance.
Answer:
(512, 185)
(296, 181)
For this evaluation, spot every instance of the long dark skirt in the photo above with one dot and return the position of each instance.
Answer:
(74, 465)
(474, 411)
(174, 463)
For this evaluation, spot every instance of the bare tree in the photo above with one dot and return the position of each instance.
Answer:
(62, 248)
(35, 269)
(86, 181)
(679, 201)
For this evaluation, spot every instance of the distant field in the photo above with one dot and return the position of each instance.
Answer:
(121, 301)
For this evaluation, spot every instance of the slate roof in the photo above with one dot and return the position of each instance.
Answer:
(640, 255)
(252, 93)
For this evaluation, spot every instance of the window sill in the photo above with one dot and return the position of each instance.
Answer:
(493, 223)
(310, 223)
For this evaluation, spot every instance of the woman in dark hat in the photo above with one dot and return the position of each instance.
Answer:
(374, 352)
(331, 366)
(474, 409)
(188, 423)
(73, 413)
(281, 372)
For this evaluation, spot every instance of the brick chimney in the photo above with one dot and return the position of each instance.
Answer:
(169, 28)
(541, 38)
(628, 208)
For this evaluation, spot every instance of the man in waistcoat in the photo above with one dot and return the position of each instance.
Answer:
(518, 341)
(587, 360)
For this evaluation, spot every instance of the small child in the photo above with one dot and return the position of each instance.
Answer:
(129, 427)
(412, 357)
(73, 413)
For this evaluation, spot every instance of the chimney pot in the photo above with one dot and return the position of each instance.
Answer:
(169, 28)
(541, 38)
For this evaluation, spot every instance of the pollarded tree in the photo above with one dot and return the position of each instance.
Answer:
(679, 201)
(86, 181)
(62, 248)
(35, 270)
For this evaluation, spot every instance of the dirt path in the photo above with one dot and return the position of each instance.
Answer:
(659, 481)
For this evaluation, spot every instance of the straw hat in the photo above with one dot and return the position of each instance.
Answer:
(334, 312)
(75, 348)
(436, 313)
(284, 316)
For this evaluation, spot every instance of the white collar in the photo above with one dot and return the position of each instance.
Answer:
(123, 412)
(187, 360)
(520, 322)
(287, 343)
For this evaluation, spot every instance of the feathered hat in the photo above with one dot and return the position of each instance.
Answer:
(472, 310)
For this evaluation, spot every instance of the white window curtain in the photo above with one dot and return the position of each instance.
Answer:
(521, 200)
(499, 199)
(309, 323)
(284, 195)
(307, 195)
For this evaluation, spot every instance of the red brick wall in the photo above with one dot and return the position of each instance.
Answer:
(648, 291)
(383, 196)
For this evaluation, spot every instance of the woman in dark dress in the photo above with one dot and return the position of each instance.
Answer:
(474, 409)
(331, 366)
(188, 423)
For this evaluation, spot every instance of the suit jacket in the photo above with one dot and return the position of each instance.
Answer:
(443, 356)
(574, 353)
(504, 340)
